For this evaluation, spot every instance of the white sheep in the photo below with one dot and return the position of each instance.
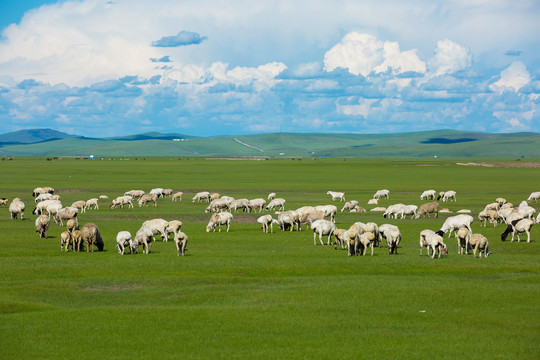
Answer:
(266, 222)
(81, 205)
(339, 238)
(322, 227)
(352, 238)
(144, 237)
(490, 215)
(42, 206)
(302, 215)
(349, 205)
(42, 190)
(271, 196)
(93, 202)
(157, 191)
(336, 195)
(428, 194)
(240, 204)
(4, 202)
(214, 196)
(181, 240)
(362, 228)
(258, 203)
(17, 207)
(72, 225)
(65, 214)
(41, 197)
(329, 210)
(393, 211)
(373, 201)
(479, 242)
(157, 226)
(392, 234)
(217, 205)
(534, 196)
(173, 227)
(358, 209)
(462, 237)
(447, 195)
(492, 206)
(90, 235)
(121, 201)
(519, 227)
(367, 239)
(42, 225)
(382, 194)
(177, 196)
(123, 239)
(76, 238)
(134, 193)
(432, 241)
(148, 198)
(501, 201)
(408, 210)
(288, 218)
(65, 240)
(276, 203)
(218, 219)
(201, 196)
(453, 223)
(166, 192)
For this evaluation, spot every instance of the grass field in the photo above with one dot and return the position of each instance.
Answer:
(245, 294)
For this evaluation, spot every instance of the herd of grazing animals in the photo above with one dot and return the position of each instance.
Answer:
(321, 219)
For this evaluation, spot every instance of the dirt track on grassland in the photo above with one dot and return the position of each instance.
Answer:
(516, 164)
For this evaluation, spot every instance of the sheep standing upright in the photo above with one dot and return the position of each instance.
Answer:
(479, 242)
(17, 207)
(181, 240)
(42, 225)
(91, 236)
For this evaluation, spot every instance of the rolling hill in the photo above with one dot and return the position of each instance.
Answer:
(441, 143)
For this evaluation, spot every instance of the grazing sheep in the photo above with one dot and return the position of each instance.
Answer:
(257, 204)
(267, 221)
(338, 238)
(493, 206)
(158, 226)
(42, 206)
(382, 194)
(392, 234)
(428, 208)
(271, 196)
(123, 239)
(518, 227)
(352, 239)
(72, 225)
(490, 215)
(65, 240)
(166, 192)
(240, 204)
(373, 201)
(322, 227)
(479, 242)
(217, 205)
(181, 240)
(144, 237)
(462, 237)
(42, 225)
(432, 241)
(157, 191)
(17, 207)
(367, 239)
(218, 219)
(276, 203)
(214, 196)
(534, 196)
(4, 202)
(90, 235)
(367, 227)
(447, 195)
(134, 193)
(65, 214)
(501, 201)
(103, 197)
(302, 215)
(527, 211)
(289, 218)
(121, 201)
(538, 219)
(42, 190)
(428, 194)
(93, 202)
(201, 196)
(81, 205)
(177, 196)
(329, 210)
(336, 195)
(42, 197)
(76, 237)
(148, 198)
(453, 223)
(408, 210)
(349, 205)
(173, 227)
(393, 211)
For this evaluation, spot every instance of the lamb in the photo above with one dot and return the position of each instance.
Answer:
(214, 196)
(462, 237)
(218, 219)
(447, 195)
(352, 239)
(157, 191)
(217, 205)
(373, 201)
(80, 205)
(148, 198)
(519, 227)
(144, 237)
(479, 242)
(267, 221)
(257, 204)
(134, 193)
(123, 239)
(322, 227)
(433, 241)
(453, 223)
(65, 214)
(329, 210)
(93, 202)
(42, 225)
(17, 207)
(181, 240)
(173, 227)
(76, 238)
(72, 225)
(42, 197)
(336, 195)
(428, 208)
(367, 239)
(201, 196)
(271, 196)
(276, 203)
(382, 194)
(239, 204)
(177, 196)
(490, 215)
(534, 196)
(338, 238)
(349, 205)
(158, 226)
(392, 235)
(288, 218)
(90, 235)
(65, 240)
(122, 200)
(428, 194)
(4, 202)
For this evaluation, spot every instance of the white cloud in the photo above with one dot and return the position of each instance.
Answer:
(513, 77)
(449, 58)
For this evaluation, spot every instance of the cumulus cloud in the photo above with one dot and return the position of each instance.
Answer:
(450, 57)
(183, 38)
(513, 77)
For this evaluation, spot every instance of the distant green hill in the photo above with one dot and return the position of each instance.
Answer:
(32, 136)
(441, 143)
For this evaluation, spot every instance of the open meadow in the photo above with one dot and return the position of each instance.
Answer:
(246, 294)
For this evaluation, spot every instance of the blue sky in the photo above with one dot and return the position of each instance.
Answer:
(207, 67)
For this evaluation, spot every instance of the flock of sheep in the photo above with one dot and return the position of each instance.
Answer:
(321, 219)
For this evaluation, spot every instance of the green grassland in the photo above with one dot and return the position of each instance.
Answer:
(441, 143)
(245, 294)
